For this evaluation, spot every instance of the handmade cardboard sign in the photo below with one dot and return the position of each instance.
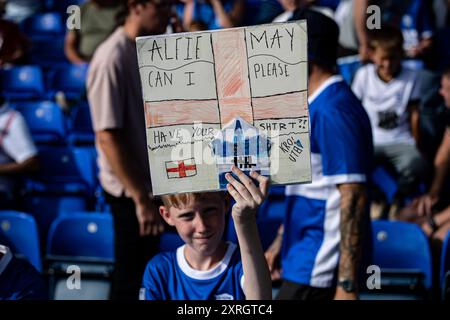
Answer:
(217, 98)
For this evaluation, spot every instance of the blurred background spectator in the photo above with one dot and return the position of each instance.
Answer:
(98, 21)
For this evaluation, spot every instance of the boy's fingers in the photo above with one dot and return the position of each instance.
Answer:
(234, 193)
(238, 187)
(249, 184)
(263, 182)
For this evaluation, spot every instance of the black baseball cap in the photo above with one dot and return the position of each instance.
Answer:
(323, 36)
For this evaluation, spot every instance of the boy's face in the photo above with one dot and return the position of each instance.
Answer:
(388, 62)
(445, 90)
(200, 223)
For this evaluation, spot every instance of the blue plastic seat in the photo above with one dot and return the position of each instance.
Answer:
(69, 79)
(402, 248)
(84, 236)
(267, 229)
(65, 170)
(19, 232)
(81, 132)
(45, 120)
(272, 209)
(348, 66)
(385, 181)
(45, 207)
(44, 24)
(22, 83)
(84, 241)
(48, 51)
(61, 5)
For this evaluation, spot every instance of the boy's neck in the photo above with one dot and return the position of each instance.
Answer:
(204, 263)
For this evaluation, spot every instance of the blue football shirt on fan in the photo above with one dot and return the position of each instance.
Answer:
(168, 276)
(341, 152)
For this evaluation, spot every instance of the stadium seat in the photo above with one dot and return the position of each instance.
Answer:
(81, 132)
(46, 207)
(61, 5)
(402, 252)
(64, 170)
(69, 79)
(385, 182)
(267, 229)
(82, 241)
(22, 83)
(272, 209)
(44, 24)
(45, 120)
(48, 52)
(445, 268)
(348, 66)
(83, 235)
(19, 232)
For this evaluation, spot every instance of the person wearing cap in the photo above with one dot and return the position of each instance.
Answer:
(320, 243)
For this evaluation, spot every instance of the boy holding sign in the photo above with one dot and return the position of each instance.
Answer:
(207, 267)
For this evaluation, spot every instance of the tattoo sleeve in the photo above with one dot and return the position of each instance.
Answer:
(353, 204)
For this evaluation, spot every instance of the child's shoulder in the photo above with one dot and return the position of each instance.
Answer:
(366, 69)
(162, 261)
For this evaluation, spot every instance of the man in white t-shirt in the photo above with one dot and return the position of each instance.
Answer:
(390, 94)
(18, 154)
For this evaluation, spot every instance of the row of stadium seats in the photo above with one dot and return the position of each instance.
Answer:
(400, 249)
(49, 125)
(30, 83)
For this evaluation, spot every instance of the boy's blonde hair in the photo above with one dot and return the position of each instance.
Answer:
(180, 199)
(389, 38)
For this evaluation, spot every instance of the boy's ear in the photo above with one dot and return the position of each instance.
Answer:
(166, 215)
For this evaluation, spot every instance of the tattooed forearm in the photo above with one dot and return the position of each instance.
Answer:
(353, 202)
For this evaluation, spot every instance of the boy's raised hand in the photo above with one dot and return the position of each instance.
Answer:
(247, 195)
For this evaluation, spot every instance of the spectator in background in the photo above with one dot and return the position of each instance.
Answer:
(98, 21)
(432, 210)
(390, 94)
(326, 220)
(19, 280)
(18, 154)
(115, 99)
(351, 17)
(215, 14)
(414, 18)
(13, 44)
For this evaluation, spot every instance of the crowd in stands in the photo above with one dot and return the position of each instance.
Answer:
(70, 144)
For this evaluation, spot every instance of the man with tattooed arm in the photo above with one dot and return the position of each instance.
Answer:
(320, 242)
